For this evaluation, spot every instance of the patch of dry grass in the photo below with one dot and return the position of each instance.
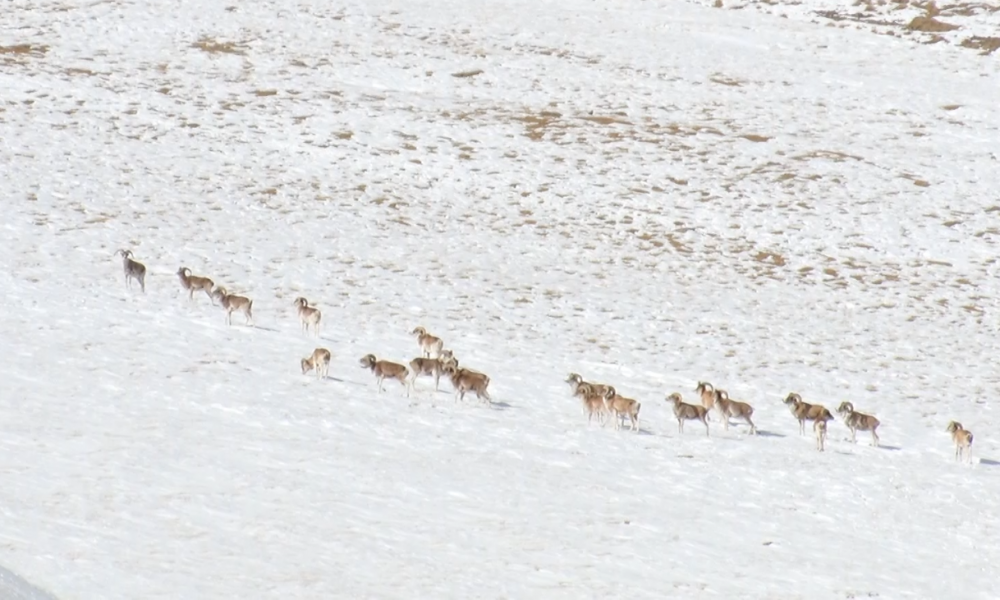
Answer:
(986, 45)
(21, 53)
(213, 46)
(929, 24)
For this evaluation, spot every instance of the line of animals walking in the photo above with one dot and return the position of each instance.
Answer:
(599, 400)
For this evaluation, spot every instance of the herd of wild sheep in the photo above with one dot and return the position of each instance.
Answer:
(599, 400)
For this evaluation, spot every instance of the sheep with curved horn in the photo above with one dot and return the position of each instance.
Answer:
(133, 270)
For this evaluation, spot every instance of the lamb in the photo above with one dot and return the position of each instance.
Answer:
(309, 315)
(593, 402)
(805, 412)
(464, 380)
(621, 407)
(133, 270)
(447, 356)
(733, 408)
(819, 427)
(434, 367)
(384, 369)
(856, 421)
(232, 303)
(193, 283)
(962, 438)
(319, 360)
(687, 412)
(428, 343)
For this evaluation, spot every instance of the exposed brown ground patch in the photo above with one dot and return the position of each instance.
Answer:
(986, 45)
(930, 25)
(21, 53)
(214, 46)
(924, 22)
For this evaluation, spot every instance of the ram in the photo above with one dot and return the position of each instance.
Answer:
(133, 270)
(733, 408)
(962, 438)
(384, 369)
(232, 303)
(428, 343)
(310, 316)
(803, 411)
(622, 407)
(194, 283)
(856, 421)
(465, 380)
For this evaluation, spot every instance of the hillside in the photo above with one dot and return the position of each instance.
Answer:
(650, 194)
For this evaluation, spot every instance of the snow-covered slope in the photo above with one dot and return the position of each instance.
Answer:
(647, 193)
(13, 587)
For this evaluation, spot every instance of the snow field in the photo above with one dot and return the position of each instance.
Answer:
(646, 194)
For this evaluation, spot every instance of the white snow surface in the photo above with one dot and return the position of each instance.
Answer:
(648, 193)
(13, 587)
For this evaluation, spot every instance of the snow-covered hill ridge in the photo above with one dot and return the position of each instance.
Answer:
(647, 194)
(970, 25)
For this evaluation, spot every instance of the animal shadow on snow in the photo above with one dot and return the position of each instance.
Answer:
(881, 446)
(765, 433)
(989, 462)
(888, 447)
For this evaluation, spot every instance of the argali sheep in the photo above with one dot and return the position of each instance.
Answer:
(318, 360)
(428, 343)
(687, 412)
(232, 303)
(819, 427)
(384, 369)
(593, 402)
(963, 440)
(193, 283)
(309, 315)
(575, 381)
(133, 270)
(733, 408)
(805, 412)
(464, 380)
(621, 407)
(707, 393)
(433, 367)
(856, 421)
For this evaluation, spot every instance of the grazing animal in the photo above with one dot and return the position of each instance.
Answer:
(819, 427)
(733, 408)
(687, 412)
(963, 440)
(620, 407)
(384, 369)
(232, 303)
(433, 367)
(133, 270)
(575, 381)
(593, 402)
(706, 392)
(309, 315)
(319, 360)
(805, 412)
(193, 283)
(856, 421)
(464, 380)
(428, 343)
